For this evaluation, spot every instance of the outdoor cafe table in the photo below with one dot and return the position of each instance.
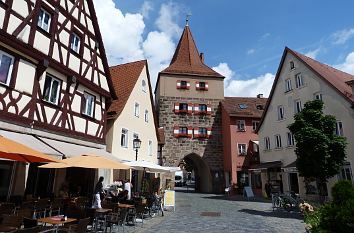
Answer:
(56, 221)
(128, 206)
(7, 229)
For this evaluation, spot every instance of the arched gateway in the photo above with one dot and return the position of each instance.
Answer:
(188, 95)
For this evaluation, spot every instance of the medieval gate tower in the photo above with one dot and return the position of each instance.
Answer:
(188, 94)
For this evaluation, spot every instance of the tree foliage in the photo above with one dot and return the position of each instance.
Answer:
(320, 152)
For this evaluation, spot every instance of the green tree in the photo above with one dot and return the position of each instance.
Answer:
(320, 152)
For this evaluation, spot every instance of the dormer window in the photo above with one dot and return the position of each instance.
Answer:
(242, 106)
(260, 107)
(44, 20)
(292, 65)
(183, 84)
(201, 86)
(75, 43)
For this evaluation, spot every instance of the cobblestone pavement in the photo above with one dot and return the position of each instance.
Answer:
(215, 213)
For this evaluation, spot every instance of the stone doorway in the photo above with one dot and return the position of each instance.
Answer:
(195, 164)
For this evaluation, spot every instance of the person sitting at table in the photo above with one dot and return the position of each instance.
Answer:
(64, 191)
(122, 196)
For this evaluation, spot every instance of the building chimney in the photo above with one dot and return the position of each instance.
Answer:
(260, 96)
(201, 55)
(351, 84)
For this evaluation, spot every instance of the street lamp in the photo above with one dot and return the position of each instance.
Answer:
(136, 145)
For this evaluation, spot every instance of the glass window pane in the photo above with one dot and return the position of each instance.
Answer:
(5, 68)
(54, 92)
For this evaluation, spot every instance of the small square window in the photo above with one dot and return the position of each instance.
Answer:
(299, 81)
(6, 65)
(52, 88)
(124, 138)
(136, 109)
(44, 19)
(89, 104)
(75, 43)
(242, 149)
(318, 96)
(183, 107)
(183, 131)
(203, 108)
(202, 132)
(241, 125)
(292, 65)
(184, 84)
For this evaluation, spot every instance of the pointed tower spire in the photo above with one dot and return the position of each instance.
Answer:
(187, 60)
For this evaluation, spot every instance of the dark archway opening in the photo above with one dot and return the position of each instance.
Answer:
(200, 172)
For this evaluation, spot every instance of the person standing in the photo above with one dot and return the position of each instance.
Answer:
(98, 192)
(128, 187)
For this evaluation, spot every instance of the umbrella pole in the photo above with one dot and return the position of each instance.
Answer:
(11, 180)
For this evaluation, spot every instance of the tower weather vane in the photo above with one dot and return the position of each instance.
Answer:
(187, 18)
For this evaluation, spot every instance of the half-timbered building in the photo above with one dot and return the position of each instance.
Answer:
(55, 85)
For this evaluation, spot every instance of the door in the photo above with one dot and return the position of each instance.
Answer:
(294, 182)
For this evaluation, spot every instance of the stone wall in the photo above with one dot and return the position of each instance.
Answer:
(175, 149)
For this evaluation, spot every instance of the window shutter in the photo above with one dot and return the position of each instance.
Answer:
(196, 109)
(188, 85)
(176, 109)
(178, 84)
(190, 108)
(206, 86)
(208, 109)
(197, 85)
(176, 131)
(209, 132)
(190, 132)
(196, 132)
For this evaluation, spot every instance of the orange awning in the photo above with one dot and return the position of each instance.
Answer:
(13, 150)
(88, 161)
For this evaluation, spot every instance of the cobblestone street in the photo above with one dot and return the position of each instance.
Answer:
(214, 213)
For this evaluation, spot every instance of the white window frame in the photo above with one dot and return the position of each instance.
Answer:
(317, 96)
(339, 128)
(40, 21)
(135, 135)
(9, 71)
(143, 85)
(75, 38)
(267, 143)
(87, 98)
(242, 149)
(136, 109)
(146, 116)
(124, 143)
(50, 89)
(239, 124)
(343, 174)
(150, 148)
(281, 112)
(288, 86)
(277, 143)
(255, 125)
(290, 139)
(292, 65)
(299, 80)
(297, 106)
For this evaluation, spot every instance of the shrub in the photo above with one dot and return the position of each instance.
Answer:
(337, 216)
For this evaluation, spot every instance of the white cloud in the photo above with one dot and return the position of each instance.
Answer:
(123, 35)
(265, 36)
(340, 37)
(314, 53)
(251, 51)
(166, 22)
(146, 8)
(348, 64)
(245, 88)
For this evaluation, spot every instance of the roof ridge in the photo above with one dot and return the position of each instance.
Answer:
(143, 60)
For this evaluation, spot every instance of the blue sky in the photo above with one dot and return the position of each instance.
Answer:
(243, 40)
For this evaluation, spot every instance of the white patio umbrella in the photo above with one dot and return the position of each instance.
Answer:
(147, 166)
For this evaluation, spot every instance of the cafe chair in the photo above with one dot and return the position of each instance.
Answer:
(29, 222)
(30, 230)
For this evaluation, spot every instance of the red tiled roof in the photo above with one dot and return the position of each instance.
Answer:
(232, 106)
(124, 78)
(335, 77)
(186, 59)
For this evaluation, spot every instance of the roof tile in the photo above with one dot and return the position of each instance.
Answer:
(232, 106)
